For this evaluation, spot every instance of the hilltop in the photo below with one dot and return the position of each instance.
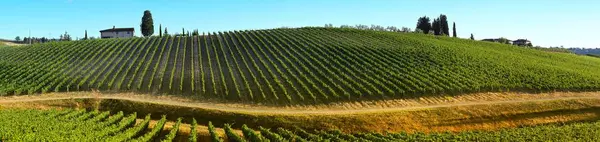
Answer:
(293, 66)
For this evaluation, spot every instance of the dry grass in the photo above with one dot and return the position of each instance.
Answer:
(431, 114)
(332, 108)
(449, 119)
(476, 117)
(10, 44)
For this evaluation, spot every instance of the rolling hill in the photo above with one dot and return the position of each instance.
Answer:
(292, 66)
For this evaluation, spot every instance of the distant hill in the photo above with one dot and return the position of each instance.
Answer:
(585, 51)
(4, 42)
(292, 66)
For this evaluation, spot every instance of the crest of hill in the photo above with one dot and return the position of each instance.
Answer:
(293, 66)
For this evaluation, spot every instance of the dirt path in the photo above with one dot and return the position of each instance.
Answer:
(421, 103)
(479, 111)
(339, 108)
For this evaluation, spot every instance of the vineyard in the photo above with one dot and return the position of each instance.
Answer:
(292, 66)
(81, 125)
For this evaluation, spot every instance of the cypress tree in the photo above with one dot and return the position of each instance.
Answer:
(147, 26)
(166, 32)
(85, 37)
(160, 30)
(436, 26)
(444, 27)
(454, 29)
(472, 38)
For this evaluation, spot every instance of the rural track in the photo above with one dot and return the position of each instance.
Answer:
(285, 111)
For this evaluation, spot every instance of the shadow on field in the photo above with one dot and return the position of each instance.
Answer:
(203, 116)
(595, 110)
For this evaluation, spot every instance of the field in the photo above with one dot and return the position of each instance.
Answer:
(5, 43)
(82, 125)
(293, 66)
(296, 84)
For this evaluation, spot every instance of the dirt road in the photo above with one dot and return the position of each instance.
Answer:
(339, 108)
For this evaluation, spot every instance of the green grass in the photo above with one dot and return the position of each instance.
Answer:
(293, 66)
(593, 55)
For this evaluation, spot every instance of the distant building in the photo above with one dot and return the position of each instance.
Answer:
(117, 33)
(499, 40)
(522, 42)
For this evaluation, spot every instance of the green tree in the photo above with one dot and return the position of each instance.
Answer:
(160, 30)
(195, 33)
(182, 31)
(18, 38)
(472, 37)
(65, 37)
(147, 25)
(166, 32)
(85, 37)
(436, 26)
(405, 29)
(503, 40)
(453, 29)
(443, 21)
(424, 24)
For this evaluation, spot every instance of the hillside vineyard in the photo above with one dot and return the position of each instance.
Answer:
(304, 65)
(82, 125)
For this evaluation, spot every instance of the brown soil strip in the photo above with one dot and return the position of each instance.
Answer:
(483, 111)
(326, 109)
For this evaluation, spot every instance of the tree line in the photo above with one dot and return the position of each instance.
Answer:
(32, 40)
(147, 27)
(439, 26)
(373, 28)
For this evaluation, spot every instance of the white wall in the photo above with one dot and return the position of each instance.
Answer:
(113, 34)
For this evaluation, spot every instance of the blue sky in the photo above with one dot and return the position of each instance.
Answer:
(570, 23)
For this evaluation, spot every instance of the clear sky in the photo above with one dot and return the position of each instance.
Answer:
(570, 23)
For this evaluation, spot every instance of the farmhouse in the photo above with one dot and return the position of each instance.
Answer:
(522, 42)
(499, 40)
(117, 33)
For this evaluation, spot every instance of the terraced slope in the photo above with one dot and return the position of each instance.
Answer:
(291, 66)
